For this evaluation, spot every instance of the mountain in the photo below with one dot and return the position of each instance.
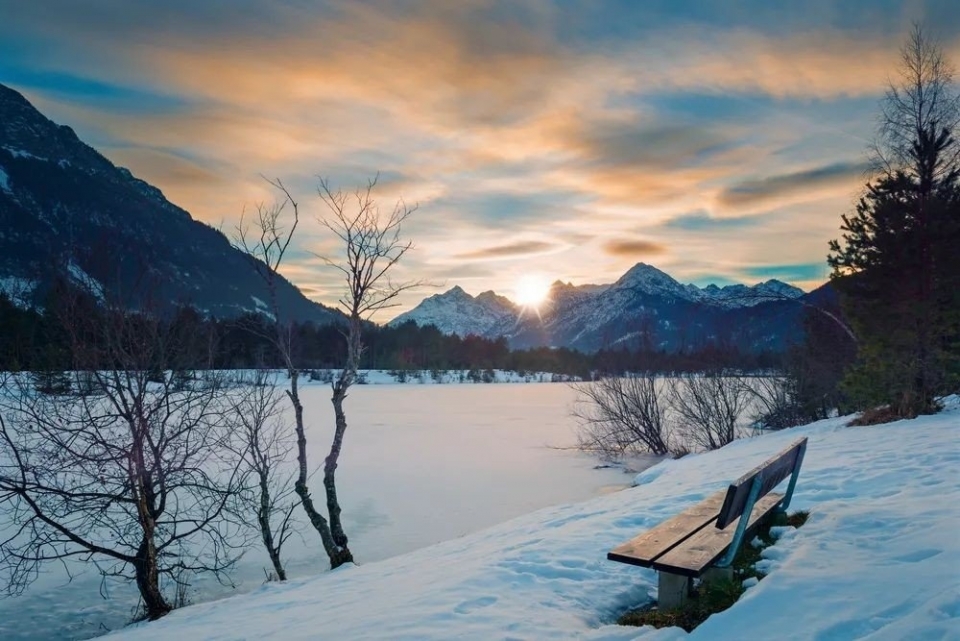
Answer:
(68, 213)
(644, 307)
(457, 312)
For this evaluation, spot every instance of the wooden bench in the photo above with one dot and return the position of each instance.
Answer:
(690, 545)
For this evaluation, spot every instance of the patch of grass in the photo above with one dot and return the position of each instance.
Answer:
(718, 595)
(797, 519)
(712, 597)
(876, 416)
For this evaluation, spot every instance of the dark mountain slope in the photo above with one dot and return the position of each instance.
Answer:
(68, 212)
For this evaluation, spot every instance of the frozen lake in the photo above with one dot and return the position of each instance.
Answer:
(421, 464)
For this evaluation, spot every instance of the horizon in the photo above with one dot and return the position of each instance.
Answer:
(719, 143)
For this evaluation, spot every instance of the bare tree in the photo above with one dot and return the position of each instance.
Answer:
(921, 101)
(266, 446)
(708, 407)
(371, 247)
(134, 477)
(775, 404)
(267, 245)
(622, 414)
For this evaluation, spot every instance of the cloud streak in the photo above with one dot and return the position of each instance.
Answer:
(520, 248)
(750, 193)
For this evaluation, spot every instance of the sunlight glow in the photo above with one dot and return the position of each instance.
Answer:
(531, 291)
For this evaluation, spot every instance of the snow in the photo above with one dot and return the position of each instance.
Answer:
(91, 284)
(879, 557)
(20, 153)
(5, 182)
(421, 464)
(18, 290)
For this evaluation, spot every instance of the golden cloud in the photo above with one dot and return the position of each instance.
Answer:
(633, 248)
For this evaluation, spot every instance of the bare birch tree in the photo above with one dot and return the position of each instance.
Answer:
(921, 100)
(371, 246)
(267, 244)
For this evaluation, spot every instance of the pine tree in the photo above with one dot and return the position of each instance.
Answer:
(896, 266)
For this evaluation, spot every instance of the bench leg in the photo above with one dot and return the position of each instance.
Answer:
(718, 574)
(672, 591)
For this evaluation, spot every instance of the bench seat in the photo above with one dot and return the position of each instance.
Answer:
(688, 544)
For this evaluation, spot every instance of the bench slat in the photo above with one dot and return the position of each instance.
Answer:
(643, 550)
(698, 552)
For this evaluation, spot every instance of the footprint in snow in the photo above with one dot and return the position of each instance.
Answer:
(475, 604)
(917, 556)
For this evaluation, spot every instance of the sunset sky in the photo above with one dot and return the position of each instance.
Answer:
(719, 141)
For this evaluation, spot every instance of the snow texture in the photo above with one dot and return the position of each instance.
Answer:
(5, 182)
(879, 558)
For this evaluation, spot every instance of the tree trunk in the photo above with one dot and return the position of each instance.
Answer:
(300, 486)
(263, 516)
(329, 479)
(148, 578)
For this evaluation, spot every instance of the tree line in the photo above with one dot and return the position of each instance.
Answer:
(35, 340)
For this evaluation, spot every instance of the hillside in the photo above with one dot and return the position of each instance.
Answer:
(66, 212)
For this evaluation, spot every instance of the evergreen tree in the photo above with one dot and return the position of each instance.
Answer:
(895, 266)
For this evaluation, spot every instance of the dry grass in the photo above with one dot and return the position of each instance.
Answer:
(875, 416)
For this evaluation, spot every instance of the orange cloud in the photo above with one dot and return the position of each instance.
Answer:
(633, 248)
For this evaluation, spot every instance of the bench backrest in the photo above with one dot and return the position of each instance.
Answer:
(770, 473)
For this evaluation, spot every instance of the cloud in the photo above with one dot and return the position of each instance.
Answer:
(560, 123)
(701, 221)
(794, 272)
(809, 183)
(633, 248)
(520, 248)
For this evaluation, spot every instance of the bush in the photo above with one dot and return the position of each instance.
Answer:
(619, 415)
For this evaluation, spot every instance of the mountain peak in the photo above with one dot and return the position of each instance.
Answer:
(650, 280)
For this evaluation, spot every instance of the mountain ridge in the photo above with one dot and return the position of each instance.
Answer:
(644, 305)
(68, 213)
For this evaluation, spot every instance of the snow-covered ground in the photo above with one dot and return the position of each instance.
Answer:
(879, 557)
(421, 464)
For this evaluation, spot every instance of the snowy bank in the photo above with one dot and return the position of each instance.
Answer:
(878, 558)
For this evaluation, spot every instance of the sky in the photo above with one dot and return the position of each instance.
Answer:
(567, 139)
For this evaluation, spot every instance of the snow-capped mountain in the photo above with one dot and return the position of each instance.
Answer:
(644, 306)
(457, 312)
(67, 213)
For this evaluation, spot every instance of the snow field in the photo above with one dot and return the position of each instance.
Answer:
(421, 464)
(879, 558)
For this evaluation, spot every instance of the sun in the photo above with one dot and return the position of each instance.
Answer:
(531, 291)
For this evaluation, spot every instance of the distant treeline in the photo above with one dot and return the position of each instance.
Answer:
(31, 340)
